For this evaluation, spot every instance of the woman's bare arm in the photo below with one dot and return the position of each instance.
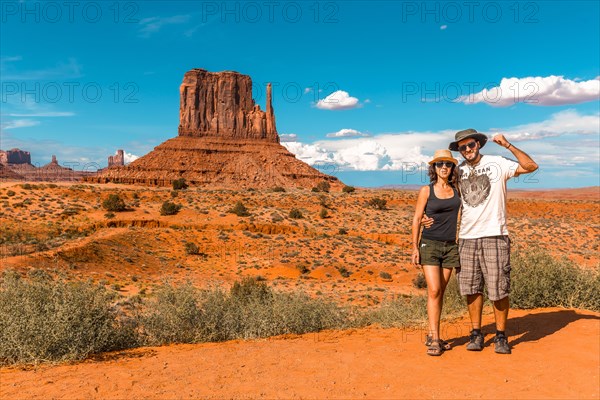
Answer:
(416, 224)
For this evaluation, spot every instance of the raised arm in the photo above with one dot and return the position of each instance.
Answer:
(416, 224)
(526, 163)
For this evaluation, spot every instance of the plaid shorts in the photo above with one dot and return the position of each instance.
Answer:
(485, 261)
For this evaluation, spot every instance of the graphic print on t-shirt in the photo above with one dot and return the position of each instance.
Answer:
(475, 189)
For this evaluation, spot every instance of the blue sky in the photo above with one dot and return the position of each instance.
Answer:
(364, 90)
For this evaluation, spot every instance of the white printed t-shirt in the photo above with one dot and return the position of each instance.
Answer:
(483, 194)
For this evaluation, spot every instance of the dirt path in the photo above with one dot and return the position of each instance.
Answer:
(556, 354)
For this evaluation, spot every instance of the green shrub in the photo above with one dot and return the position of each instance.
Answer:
(114, 203)
(324, 213)
(538, 280)
(192, 248)
(377, 203)
(180, 184)
(10, 193)
(42, 319)
(278, 189)
(169, 208)
(342, 231)
(419, 281)
(240, 210)
(412, 311)
(295, 213)
(322, 186)
(385, 275)
(348, 189)
(250, 310)
(172, 316)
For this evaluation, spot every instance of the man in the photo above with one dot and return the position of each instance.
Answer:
(484, 245)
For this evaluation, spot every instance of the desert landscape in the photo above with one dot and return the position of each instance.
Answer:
(222, 203)
(357, 255)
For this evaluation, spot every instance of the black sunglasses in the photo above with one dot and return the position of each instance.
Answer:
(464, 147)
(440, 164)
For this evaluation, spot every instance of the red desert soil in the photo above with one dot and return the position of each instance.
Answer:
(556, 355)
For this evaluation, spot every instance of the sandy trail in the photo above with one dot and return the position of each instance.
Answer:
(556, 354)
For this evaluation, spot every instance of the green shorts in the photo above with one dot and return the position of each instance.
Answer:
(441, 254)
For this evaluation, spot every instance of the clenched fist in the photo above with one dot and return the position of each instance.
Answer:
(501, 140)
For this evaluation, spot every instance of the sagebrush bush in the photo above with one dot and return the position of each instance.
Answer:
(377, 203)
(539, 280)
(169, 208)
(419, 281)
(251, 309)
(324, 213)
(322, 186)
(191, 248)
(348, 189)
(43, 319)
(240, 210)
(180, 184)
(411, 311)
(114, 203)
(172, 316)
(295, 214)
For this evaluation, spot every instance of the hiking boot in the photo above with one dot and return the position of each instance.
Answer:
(475, 342)
(501, 345)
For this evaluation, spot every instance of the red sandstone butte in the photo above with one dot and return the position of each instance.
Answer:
(225, 140)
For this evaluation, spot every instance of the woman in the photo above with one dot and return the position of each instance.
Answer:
(437, 250)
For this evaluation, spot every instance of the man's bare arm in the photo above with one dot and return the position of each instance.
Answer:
(526, 163)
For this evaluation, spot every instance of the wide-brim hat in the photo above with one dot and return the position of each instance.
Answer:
(468, 133)
(443, 155)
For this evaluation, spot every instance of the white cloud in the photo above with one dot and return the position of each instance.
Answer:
(18, 123)
(567, 121)
(347, 133)
(338, 100)
(44, 114)
(412, 150)
(540, 91)
(307, 90)
(129, 157)
(149, 26)
(62, 70)
(443, 27)
(288, 137)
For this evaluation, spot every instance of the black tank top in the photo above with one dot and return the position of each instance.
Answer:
(445, 215)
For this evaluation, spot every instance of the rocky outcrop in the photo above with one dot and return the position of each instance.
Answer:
(221, 105)
(15, 156)
(118, 160)
(225, 140)
(7, 173)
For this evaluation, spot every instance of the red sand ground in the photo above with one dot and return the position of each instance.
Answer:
(556, 355)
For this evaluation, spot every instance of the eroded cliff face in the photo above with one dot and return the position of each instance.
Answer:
(220, 105)
(225, 140)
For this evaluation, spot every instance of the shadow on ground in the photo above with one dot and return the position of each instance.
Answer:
(532, 327)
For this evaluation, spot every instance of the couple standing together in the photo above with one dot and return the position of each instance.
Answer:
(475, 189)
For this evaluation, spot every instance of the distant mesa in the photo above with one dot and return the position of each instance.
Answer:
(7, 173)
(15, 164)
(15, 156)
(225, 140)
(118, 160)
